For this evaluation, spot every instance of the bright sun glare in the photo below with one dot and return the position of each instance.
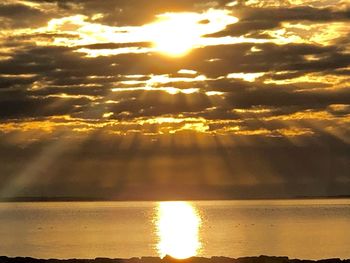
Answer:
(177, 227)
(175, 34)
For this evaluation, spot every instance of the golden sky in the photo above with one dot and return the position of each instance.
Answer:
(236, 96)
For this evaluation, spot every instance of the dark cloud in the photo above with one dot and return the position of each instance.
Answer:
(37, 107)
(254, 19)
(237, 58)
(60, 70)
(19, 15)
(60, 62)
(14, 81)
(117, 45)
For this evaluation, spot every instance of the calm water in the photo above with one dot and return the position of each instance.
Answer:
(310, 229)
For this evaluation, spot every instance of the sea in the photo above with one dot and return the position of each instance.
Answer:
(304, 229)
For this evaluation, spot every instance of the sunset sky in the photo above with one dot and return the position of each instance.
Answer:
(155, 99)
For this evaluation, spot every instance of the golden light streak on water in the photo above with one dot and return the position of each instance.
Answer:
(178, 226)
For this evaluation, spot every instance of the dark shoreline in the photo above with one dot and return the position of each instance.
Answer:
(168, 259)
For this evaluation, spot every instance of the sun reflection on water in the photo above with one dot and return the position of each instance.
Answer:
(178, 226)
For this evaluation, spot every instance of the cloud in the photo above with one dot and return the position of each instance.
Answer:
(21, 16)
(38, 107)
(130, 12)
(254, 19)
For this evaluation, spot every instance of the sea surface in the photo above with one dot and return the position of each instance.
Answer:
(305, 229)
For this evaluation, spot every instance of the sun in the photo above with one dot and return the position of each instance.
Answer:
(176, 34)
(175, 45)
